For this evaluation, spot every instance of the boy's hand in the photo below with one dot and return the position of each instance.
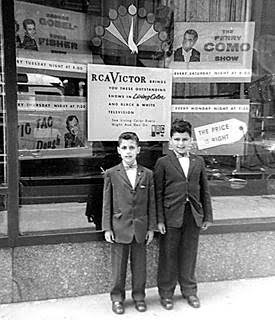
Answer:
(205, 225)
(161, 227)
(149, 236)
(109, 236)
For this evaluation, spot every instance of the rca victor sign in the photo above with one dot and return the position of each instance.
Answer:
(128, 99)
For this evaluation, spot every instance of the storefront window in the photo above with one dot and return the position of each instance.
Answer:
(241, 172)
(227, 83)
(61, 173)
(3, 151)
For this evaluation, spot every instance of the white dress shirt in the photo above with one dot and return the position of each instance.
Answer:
(131, 173)
(187, 55)
(185, 162)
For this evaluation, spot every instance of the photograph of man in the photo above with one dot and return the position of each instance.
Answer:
(186, 53)
(29, 41)
(73, 138)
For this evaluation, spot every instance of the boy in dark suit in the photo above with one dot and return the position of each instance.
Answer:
(129, 218)
(183, 209)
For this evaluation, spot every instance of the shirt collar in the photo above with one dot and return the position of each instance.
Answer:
(187, 55)
(178, 155)
(127, 166)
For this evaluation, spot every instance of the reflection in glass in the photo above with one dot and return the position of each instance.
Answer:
(61, 173)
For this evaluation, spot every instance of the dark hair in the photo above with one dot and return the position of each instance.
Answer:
(181, 126)
(28, 21)
(70, 118)
(192, 32)
(128, 136)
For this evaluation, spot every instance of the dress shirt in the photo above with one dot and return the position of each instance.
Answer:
(186, 55)
(184, 162)
(131, 172)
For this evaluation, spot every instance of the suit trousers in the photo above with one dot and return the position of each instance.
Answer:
(119, 255)
(177, 257)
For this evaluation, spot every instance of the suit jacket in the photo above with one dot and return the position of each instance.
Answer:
(29, 43)
(195, 56)
(173, 189)
(129, 212)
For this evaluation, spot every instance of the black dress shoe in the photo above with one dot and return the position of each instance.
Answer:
(118, 307)
(193, 301)
(167, 303)
(140, 306)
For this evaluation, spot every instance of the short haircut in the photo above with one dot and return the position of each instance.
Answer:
(70, 118)
(192, 32)
(128, 136)
(181, 126)
(28, 21)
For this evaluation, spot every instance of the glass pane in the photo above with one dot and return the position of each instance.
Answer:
(3, 147)
(58, 167)
(243, 171)
(61, 172)
(61, 179)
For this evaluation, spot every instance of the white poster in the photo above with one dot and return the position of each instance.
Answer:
(46, 36)
(51, 122)
(220, 125)
(128, 99)
(220, 133)
(212, 52)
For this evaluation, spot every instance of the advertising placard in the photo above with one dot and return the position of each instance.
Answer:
(212, 52)
(59, 66)
(50, 122)
(128, 99)
(49, 33)
(219, 126)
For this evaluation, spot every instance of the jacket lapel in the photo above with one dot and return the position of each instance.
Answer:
(191, 164)
(123, 174)
(175, 162)
(140, 174)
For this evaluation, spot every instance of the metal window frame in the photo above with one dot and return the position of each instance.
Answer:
(14, 239)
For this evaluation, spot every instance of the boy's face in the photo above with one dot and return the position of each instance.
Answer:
(128, 150)
(181, 142)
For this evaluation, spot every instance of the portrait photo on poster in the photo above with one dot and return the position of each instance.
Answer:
(186, 52)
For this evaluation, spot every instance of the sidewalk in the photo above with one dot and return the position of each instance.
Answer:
(239, 299)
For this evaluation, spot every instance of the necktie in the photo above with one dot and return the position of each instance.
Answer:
(185, 155)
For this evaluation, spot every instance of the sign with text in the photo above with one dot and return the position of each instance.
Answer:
(50, 122)
(219, 126)
(212, 52)
(51, 65)
(128, 99)
(44, 33)
(219, 133)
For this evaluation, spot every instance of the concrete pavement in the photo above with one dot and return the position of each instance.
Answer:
(246, 299)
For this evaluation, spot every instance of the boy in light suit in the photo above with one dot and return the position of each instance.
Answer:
(129, 218)
(183, 209)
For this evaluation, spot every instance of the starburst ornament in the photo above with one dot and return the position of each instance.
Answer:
(138, 30)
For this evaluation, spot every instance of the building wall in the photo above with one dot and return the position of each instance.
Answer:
(6, 275)
(74, 269)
